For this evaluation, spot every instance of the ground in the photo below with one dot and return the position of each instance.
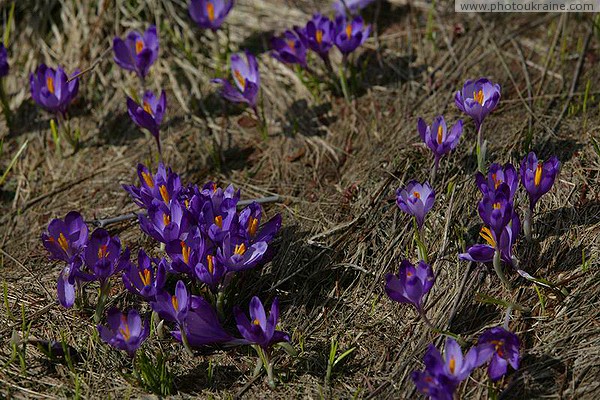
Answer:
(335, 165)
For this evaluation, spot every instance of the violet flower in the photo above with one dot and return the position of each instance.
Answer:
(319, 34)
(148, 278)
(249, 224)
(350, 6)
(290, 48)
(149, 114)
(350, 34)
(51, 90)
(103, 255)
(538, 177)
(174, 307)
(125, 331)
(137, 52)
(3, 61)
(155, 190)
(477, 99)
(237, 254)
(484, 253)
(502, 348)
(246, 78)
(209, 14)
(496, 208)
(260, 329)
(437, 137)
(498, 174)
(165, 225)
(66, 238)
(410, 284)
(67, 279)
(416, 199)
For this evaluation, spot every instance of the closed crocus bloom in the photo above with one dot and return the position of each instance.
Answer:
(65, 285)
(537, 176)
(203, 327)
(137, 52)
(350, 34)
(477, 99)
(147, 278)
(319, 34)
(149, 114)
(249, 224)
(290, 48)
(173, 307)
(416, 199)
(496, 208)
(209, 14)
(501, 348)
(484, 253)
(124, 331)
(246, 80)
(351, 6)
(410, 284)
(3, 61)
(51, 90)
(498, 174)
(66, 238)
(260, 329)
(438, 138)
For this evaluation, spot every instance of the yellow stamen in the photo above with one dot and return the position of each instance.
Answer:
(139, 46)
(125, 329)
(187, 203)
(417, 195)
(102, 252)
(497, 182)
(185, 252)
(440, 134)
(164, 193)
(166, 219)
(486, 234)
(256, 321)
(210, 260)
(291, 44)
(50, 84)
(319, 36)
(148, 179)
(62, 242)
(219, 221)
(349, 30)
(145, 277)
(210, 10)
(175, 303)
(499, 345)
(242, 82)
(214, 185)
(147, 108)
(240, 249)
(538, 174)
(478, 96)
(452, 365)
(253, 226)
(497, 206)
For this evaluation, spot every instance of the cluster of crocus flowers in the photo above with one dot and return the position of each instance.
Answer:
(477, 99)
(498, 212)
(209, 14)
(443, 374)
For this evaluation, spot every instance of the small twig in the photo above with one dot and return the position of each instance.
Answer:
(91, 67)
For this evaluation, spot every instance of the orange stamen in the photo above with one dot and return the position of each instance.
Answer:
(256, 321)
(452, 365)
(62, 242)
(239, 79)
(185, 252)
(440, 134)
(240, 249)
(166, 219)
(478, 96)
(210, 10)
(486, 234)
(175, 303)
(497, 206)
(50, 84)
(125, 329)
(253, 226)
(147, 108)
(497, 182)
(145, 277)
(349, 30)
(210, 260)
(538, 174)
(148, 179)
(139, 46)
(164, 193)
(417, 195)
(102, 252)
(319, 36)
(219, 221)
(291, 44)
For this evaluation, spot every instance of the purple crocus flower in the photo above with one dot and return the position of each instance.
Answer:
(350, 34)
(210, 271)
(443, 375)
(290, 48)
(103, 255)
(484, 253)
(350, 6)
(65, 286)
(165, 225)
(155, 190)
(502, 347)
(416, 199)
(173, 307)
(410, 284)
(498, 174)
(260, 329)
(437, 137)
(538, 177)
(246, 78)
(319, 34)
(249, 223)
(125, 331)
(148, 278)
(137, 52)
(237, 254)
(149, 114)
(209, 14)
(3, 61)
(496, 208)
(50, 89)
(477, 99)
(66, 238)
(203, 327)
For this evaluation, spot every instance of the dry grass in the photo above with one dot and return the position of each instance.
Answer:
(336, 166)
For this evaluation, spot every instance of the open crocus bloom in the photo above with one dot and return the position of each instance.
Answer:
(246, 80)
(51, 89)
(209, 14)
(124, 331)
(137, 52)
(537, 176)
(477, 99)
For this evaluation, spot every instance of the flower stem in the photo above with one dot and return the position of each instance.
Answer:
(427, 321)
(498, 269)
(184, 340)
(258, 367)
(527, 224)
(102, 297)
(436, 163)
(480, 150)
(421, 248)
(220, 302)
